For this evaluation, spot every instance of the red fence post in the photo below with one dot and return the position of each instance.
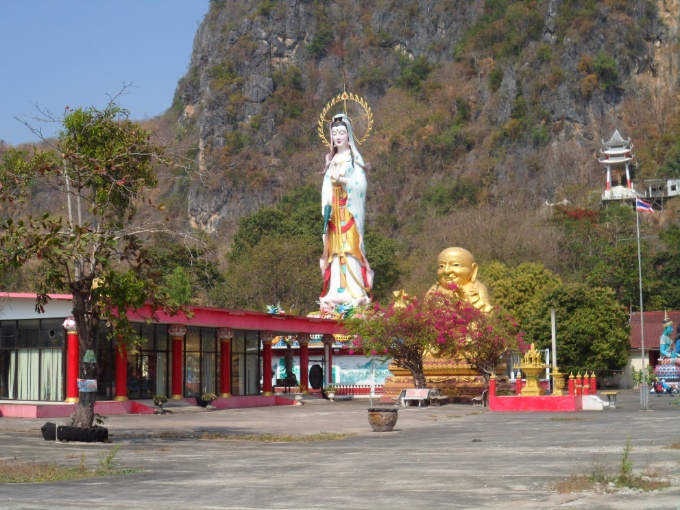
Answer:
(572, 384)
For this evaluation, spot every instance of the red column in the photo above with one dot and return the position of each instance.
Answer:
(609, 178)
(585, 385)
(177, 333)
(492, 390)
(593, 383)
(72, 360)
(225, 335)
(121, 371)
(572, 385)
(328, 341)
(518, 384)
(266, 337)
(303, 340)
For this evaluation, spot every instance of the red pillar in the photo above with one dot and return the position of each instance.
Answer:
(225, 335)
(72, 360)
(266, 337)
(303, 340)
(177, 333)
(121, 371)
(328, 340)
(518, 385)
(572, 385)
(593, 383)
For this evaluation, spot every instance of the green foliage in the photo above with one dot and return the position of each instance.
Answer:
(495, 79)
(321, 40)
(592, 328)
(195, 261)
(648, 375)
(371, 77)
(277, 269)
(540, 136)
(224, 76)
(445, 198)
(382, 253)
(412, 73)
(544, 53)
(267, 7)
(179, 286)
(666, 263)
(607, 71)
(520, 289)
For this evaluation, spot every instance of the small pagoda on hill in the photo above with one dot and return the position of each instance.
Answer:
(617, 155)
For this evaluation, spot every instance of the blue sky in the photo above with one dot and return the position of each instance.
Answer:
(58, 53)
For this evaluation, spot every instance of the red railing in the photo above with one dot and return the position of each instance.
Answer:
(357, 389)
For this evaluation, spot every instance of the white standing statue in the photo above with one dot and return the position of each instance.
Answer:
(348, 277)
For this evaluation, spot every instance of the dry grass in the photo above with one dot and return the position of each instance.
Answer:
(16, 472)
(277, 438)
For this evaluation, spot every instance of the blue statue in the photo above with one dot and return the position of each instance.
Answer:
(677, 341)
(665, 342)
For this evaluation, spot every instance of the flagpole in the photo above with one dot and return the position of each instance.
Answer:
(644, 393)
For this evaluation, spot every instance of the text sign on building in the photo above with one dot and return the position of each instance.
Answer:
(87, 385)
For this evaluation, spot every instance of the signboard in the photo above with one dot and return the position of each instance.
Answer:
(87, 385)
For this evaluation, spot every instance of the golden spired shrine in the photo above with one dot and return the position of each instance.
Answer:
(454, 377)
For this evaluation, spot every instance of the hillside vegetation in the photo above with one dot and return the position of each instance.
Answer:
(484, 113)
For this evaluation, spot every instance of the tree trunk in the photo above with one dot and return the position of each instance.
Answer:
(84, 414)
(86, 324)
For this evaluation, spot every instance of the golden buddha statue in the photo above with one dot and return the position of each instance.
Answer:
(453, 376)
(457, 265)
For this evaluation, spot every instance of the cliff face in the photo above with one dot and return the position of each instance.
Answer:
(514, 97)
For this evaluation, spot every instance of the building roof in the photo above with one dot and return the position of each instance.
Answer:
(202, 316)
(652, 326)
(616, 141)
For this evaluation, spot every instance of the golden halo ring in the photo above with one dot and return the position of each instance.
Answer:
(344, 97)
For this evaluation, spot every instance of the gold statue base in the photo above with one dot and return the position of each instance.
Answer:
(453, 377)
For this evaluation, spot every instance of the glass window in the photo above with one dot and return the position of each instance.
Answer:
(193, 340)
(52, 334)
(238, 344)
(252, 341)
(8, 335)
(29, 333)
(208, 337)
(148, 335)
(161, 337)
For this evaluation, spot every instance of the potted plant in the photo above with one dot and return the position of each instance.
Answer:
(206, 399)
(159, 400)
(299, 390)
(330, 392)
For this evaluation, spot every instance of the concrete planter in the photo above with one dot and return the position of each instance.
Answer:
(382, 420)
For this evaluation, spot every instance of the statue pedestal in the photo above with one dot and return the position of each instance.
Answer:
(454, 378)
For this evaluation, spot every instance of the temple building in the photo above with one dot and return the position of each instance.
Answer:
(226, 352)
(616, 157)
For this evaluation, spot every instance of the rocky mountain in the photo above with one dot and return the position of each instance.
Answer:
(474, 102)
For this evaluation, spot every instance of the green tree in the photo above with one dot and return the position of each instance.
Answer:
(667, 268)
(102, 163)
(518, 290)
(280, 269)
(592, 328)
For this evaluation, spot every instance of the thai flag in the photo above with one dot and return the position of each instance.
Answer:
(641, 205)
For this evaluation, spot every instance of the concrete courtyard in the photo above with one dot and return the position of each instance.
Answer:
(454, 456)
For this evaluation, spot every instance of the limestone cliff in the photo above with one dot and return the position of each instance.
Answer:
(509, 95)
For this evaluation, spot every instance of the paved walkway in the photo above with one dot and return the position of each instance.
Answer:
(454, 456)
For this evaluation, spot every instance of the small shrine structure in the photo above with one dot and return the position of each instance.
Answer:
(616, 157)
